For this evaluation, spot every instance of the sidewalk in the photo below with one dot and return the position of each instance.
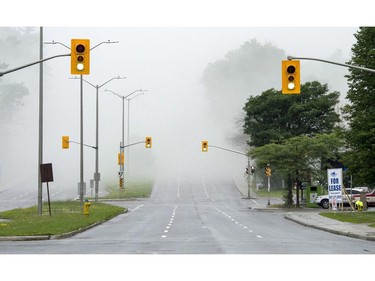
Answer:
(311, 218)
(314, 220)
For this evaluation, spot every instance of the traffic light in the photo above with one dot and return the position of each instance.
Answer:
(204, 146)
(252, 169)
(120, 158)
(80, 56)
(148, 142)
(65, 142)
(268, 171)
(290, 77)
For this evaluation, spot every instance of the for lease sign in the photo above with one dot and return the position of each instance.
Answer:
(334, 185)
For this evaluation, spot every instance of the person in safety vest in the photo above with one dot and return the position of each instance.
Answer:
(359, 205)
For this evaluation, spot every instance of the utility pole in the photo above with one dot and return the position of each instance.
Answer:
(237, 152)
(40, 148)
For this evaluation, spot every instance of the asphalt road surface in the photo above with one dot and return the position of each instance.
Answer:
(195, 216)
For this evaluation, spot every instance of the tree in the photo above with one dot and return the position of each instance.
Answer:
(14, 51)
(272, 117)
(300, 158)
(229, 81)
(11, 96)
(360, 113)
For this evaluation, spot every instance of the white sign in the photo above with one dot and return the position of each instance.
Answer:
(335, 185)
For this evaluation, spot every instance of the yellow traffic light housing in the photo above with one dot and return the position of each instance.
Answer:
(268, 171)
(290, 71)
(148, 142)
(65, 142)
(204, 146)
(80, 56)
(120, 158)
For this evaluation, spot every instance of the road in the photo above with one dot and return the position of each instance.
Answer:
(190, 215)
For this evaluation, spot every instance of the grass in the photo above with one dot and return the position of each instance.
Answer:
(353, 217)
(263, 192)
(67, 216)
(132, 190)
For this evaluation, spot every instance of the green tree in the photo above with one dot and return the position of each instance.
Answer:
(300, 158)
(272, 117)
(14, 51)
(360, 113)
(227, 82)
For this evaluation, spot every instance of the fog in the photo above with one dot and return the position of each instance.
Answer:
(175, 111)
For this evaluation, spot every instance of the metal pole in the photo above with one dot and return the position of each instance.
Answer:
(96, 176)
(40, 149)
(332, 62)
(128, 151)
(269, 189)
(248, 176)
(122, 150)
(81, 144)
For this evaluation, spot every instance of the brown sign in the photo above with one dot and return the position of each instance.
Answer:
(46, 173)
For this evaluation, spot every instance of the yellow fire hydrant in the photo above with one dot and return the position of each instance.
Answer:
(359, 205)
(86, 207)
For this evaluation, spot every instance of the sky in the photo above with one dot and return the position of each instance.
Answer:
(164, 48)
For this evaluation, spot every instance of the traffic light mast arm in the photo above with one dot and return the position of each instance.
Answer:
(30, 64)
(332, 62)
(105, 42)
(132, 144)
(94, 147)
(226, 149)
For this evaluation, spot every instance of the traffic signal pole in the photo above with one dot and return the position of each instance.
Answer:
(332, 62)
(31, 64)
(248, 164)
(81, 144)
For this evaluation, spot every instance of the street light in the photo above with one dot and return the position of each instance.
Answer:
(128, 152)
(97, 174)
(81, 129)
(123, 117)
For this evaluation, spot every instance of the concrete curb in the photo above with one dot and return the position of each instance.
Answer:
(332, 230)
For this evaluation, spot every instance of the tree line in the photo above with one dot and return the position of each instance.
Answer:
(301, 136)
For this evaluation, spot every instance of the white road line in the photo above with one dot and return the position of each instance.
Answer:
(170, 222)
(236, 222)
(136, 208)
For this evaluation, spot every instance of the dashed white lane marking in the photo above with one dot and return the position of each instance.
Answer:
(205, 190)
(136, 208)
(236, 222)
(167, 228)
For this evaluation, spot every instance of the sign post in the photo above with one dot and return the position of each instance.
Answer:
(268, 173)
(46, 175)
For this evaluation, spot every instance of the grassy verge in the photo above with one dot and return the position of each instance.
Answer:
(353, 217)
(134, 189)
(66, 216)
(263, 192)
